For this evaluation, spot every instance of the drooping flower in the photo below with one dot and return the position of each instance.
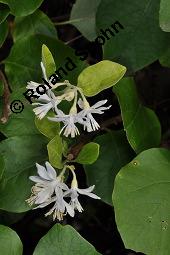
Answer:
(60, 208)
(69, 121)
(89, 122)
(74, 192)
(46, 185)
(49, 102)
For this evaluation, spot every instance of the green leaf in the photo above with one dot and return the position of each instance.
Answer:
(55, 151)
(165, 58)
(48, 61)
(83, 17)
(64, 240)
(20, 8)
(100, 76)
(164, 15)
(140, 123)
(2, 166)
(141, 202)
(141, 41)
(3, 32)
(20, 155)
(115, 152)
(37, 23)
(4, 12)
(10, 242)
(20, 70)
(88, 154)
(19, 123)
(48, 128)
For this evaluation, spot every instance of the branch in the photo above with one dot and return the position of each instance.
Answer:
(6, 106)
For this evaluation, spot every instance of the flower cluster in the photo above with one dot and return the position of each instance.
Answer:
(51, 189)
(69, 93)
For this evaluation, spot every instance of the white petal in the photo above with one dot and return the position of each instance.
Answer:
(32, 85)
(44, 98)
(44, 195)
(69, 209)
(41, 111)
(98, 104)
(42, 172)
(63, 186)
(89, 189)
(51, 171)
(36, 179)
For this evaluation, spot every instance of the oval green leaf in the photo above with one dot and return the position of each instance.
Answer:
(140, 123)
(88, 154)
(141, 201)
(64, 240)
(48, 61)
(137, 38)
(83, 17)
(38, 23)
(10, 242)
(100, 76)
(20, 155)
(47, 127)
(55, 152)
(164, 15)
(18, 8)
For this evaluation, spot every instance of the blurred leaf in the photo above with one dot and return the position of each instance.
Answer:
(88, 154)
(83, 17)
(2, 166)
(141, 202)
(48, 60)
(37, 23)
(4, 11)
(21, 70)
(10, 242)
(47, 127)
(164, 15)
(20, 8)
(3, 32)
(20, 155)
(141, 41)
(55, 151)
(115, 152)
(141, 124)
(64, 240)
(100, 76)
(21, 123)
(165, 58)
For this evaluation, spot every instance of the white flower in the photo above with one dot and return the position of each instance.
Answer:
(60, 208)
(89, 122)
(47, 184)
(69, 121)
(50, 102)
(74, 194)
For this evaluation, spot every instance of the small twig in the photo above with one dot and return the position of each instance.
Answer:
(76, 148)
(6, 106)
(74, 39)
